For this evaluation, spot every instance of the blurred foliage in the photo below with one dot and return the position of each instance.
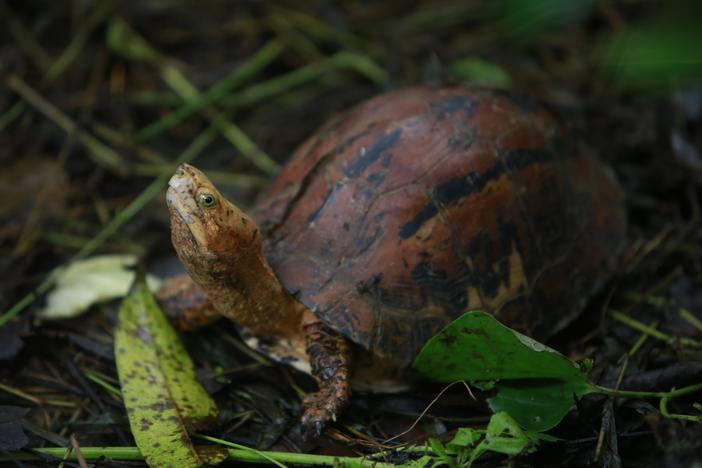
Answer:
(525, 21)
(480, 72)
(660, 50)
(660, 53)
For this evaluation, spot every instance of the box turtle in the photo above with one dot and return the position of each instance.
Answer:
(390, 222)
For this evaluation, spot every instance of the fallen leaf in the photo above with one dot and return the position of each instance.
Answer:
(87, 282)
(11, 435)
(10, 340)
(164, 400)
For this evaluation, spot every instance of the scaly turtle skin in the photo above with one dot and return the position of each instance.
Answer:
(392, 221)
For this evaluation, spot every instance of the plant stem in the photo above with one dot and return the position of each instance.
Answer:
(102, 383)
(240, 455)
(652, 331)
(641, 394)
(663, 406)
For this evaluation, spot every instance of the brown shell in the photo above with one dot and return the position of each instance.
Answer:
(419, 205)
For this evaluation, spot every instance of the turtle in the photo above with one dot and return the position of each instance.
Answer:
(390, 222)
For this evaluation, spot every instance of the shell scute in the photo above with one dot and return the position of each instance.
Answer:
(419, 205)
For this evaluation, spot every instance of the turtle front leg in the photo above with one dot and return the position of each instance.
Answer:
(330, 360)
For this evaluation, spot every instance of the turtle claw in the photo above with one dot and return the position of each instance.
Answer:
(320, 409)
(311, 431)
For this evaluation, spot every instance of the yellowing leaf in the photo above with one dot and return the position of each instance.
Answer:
(164, 401)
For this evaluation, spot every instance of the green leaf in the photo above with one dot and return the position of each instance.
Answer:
(538, 404)
(656, 57)
(163, 399)
(535, 384)
(503, 435)
(437, 447)
(479, 72)
(465, 437)
(478, 347)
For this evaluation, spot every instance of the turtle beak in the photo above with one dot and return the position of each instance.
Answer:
(180, 198)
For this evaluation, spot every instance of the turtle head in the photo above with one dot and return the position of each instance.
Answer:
(221, 249)
(206, 229)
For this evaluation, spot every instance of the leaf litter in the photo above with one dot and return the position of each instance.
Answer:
(633, 131)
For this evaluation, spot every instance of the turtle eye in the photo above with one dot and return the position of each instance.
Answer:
(206, 199)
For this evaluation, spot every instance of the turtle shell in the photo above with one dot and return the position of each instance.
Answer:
(416, 206)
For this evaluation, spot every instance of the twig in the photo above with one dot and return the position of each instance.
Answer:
(419, 418)
(11, 114)
(250, 68)
(79, 40)
(25, 40)
(101, 153)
